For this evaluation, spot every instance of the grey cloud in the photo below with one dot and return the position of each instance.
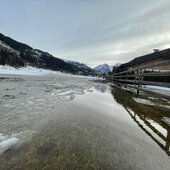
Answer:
(93, 32)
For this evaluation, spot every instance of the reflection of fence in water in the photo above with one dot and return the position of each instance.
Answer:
(165, 145)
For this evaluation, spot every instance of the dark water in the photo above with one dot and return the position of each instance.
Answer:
(76, 123)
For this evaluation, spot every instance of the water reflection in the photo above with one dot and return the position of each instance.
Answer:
(102, 88)
(149, 118)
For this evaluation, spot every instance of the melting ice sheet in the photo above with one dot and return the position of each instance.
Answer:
(28, 102)
(78, 118)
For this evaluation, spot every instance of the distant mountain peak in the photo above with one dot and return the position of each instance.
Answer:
(117, 65)
(103, 69)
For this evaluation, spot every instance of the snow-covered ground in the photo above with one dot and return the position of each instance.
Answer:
(148, 102)
(143, 101)
(167, 120)
(27, 71)
(36, 71)
(159, 89)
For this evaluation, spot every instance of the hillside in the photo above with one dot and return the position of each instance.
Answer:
(16, 54)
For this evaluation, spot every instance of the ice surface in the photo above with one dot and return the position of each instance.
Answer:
(2, 137)
(28, 102)
(47, 102)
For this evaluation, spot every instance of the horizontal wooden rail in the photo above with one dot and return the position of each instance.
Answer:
(162, 63)
(150, 74)
(136, 77)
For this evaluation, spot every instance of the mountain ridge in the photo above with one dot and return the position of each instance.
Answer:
(17, 54)
(103, 69)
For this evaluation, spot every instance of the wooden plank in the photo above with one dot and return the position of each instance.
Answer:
(162, 63)
(151, 74)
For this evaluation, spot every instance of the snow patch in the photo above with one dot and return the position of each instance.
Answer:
(143, 101)
(159, 89)
(4, 45)
(27, 71)
(9, 141)
(148, 102)
(78, 64)
(104, 69)
(167, 120)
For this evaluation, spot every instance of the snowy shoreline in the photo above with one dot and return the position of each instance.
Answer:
(27, 71)
(32, 71)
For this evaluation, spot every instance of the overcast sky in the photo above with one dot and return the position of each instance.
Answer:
(90, 31)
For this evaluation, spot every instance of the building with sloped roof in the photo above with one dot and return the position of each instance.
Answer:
(156, 58)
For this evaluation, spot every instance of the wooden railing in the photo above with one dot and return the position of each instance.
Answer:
(138, 77)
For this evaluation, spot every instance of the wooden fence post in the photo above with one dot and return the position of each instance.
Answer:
(138, 83)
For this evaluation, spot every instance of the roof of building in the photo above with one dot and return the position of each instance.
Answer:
(165, 54)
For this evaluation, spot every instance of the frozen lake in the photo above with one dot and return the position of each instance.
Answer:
(69, 122)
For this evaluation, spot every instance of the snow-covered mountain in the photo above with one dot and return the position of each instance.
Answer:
(17, 54)
(117, 65)
(82, 67)
(103, 69)
(78, 64)
(114, 67)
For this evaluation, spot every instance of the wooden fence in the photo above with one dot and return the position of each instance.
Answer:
(145, 75)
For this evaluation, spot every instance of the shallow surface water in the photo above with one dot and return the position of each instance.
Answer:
(69, 122)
